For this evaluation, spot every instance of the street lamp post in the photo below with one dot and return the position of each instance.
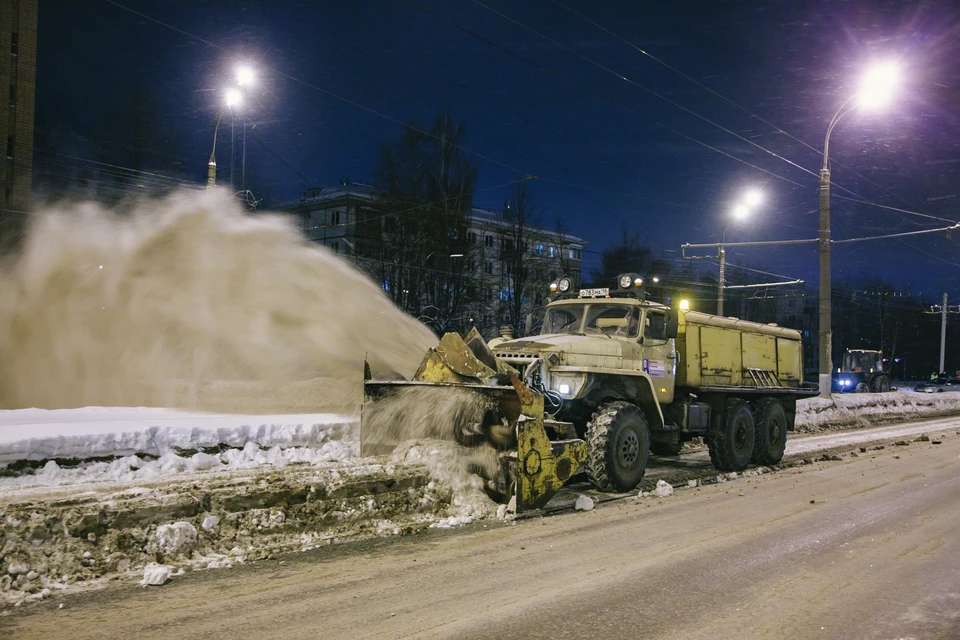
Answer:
(740, 212)
(874, 91)
(232, 100)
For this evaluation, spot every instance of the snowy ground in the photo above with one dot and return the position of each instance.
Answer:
(116, 444)
(141, 443)
(174, 490)
(850, 410)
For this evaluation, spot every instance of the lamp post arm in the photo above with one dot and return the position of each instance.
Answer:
(842, 111)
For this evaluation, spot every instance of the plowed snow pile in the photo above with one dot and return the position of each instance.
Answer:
(189, 302)
(846, 411)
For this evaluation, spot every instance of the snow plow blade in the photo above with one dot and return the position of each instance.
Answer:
(501, 413)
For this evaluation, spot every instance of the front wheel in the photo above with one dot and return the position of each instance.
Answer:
(618, 447)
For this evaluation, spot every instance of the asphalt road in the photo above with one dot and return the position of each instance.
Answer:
(868, 547)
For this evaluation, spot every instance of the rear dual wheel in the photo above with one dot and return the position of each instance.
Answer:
(732, 448)
(771, 429)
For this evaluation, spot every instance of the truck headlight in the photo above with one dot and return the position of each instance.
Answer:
(567, 385)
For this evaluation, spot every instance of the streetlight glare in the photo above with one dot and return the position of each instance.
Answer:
(753, 197)
(740, 212)
(878, 85)
(233, 98)
(244, 76)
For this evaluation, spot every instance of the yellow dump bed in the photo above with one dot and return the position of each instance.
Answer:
(719, 352)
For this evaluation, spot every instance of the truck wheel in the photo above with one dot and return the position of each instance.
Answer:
(862, 387)
(884, 385)
(771, 440)
(618, 446)
(731, 449)
(666, 449)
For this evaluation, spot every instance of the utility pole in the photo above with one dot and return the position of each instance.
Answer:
(722, 254)
(943, 334)
(825, 333)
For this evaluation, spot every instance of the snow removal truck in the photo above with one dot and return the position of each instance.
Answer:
(612, 378)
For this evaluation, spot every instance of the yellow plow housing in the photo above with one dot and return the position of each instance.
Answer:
(532, 466)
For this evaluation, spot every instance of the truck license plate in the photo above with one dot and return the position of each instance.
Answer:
(594, 293)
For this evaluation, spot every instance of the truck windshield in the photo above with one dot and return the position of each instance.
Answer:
(608, 319)
(562, 320)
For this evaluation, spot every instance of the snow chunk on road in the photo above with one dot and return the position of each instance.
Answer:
(156, 574)
(583, 503)
(210, 522)
(663, 489)
(175, 537)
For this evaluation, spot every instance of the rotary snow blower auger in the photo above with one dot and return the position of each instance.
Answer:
(483, 403)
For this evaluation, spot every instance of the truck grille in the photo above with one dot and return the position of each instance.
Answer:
(516, 357)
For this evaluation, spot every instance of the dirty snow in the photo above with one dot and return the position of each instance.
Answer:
(846, 410)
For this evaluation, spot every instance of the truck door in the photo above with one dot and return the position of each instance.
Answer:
(659, 353)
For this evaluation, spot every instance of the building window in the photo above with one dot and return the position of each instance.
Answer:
(14, 43)
(335, 246)
(488, 241)
(488, 268)
(13, 95)
(334, 217)
(574, 254)
(552, 252)
(472, 237)
(538, 249)
(10, 147)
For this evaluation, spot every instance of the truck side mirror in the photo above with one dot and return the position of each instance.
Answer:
(673, 323)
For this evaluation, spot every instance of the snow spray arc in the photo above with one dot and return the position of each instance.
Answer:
(104, 308)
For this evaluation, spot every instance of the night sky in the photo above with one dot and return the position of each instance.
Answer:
(664, 151)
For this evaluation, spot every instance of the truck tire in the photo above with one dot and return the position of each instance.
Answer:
(732, 448)
(862, 387)
(618, 446)
(666, 449)
(771, 439)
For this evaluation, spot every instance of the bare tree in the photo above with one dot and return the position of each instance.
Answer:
(422, 250)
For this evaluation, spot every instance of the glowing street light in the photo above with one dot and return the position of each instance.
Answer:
(233, 98)
(244, 76)
(876, 90)
(740, 212)
(878, 86)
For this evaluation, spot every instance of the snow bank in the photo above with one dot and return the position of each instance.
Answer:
(869, 409)
(92, 432)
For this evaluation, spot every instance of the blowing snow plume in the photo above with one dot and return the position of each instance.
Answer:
(189, 302)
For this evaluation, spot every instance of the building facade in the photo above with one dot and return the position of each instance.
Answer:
(504, 283)
(18, 66)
